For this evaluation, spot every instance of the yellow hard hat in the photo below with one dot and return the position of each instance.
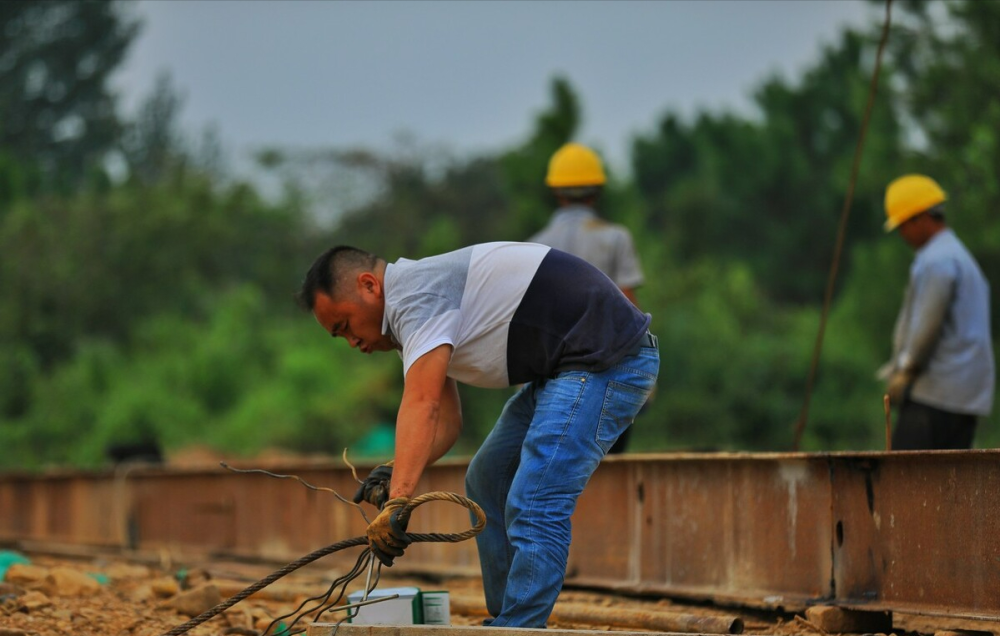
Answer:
(573, 166)
(908, 196)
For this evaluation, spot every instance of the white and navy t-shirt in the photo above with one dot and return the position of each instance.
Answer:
(513, 312)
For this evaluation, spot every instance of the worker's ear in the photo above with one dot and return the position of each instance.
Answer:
(369, 284)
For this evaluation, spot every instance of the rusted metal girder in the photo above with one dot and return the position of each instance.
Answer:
(903, 531)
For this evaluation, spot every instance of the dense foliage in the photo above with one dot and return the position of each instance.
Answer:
(159, 306)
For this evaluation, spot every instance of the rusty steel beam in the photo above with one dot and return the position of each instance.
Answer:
(902, 531)
(905, 531)
(918, 532)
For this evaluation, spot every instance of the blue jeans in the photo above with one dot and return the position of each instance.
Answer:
(530, 471)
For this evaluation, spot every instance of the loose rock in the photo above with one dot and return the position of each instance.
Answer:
(64, 581)
(196, 577)
(9, 589)
(196, 601)
(165, 587)
(126, 571)
(26, 575)
(34, 600)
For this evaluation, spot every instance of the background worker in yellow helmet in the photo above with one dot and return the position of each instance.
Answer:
(941, 375)
(576, 177)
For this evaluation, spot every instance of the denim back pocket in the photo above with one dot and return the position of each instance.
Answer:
(621, 404)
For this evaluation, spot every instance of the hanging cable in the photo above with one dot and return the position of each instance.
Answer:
(800, 424)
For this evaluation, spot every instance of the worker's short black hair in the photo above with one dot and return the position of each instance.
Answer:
(579, 194)
(329, 271)
(936, 212)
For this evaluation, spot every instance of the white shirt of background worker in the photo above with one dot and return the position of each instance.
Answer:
(576, 176)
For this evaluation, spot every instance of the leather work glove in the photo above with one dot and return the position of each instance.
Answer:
(375, 488)
(387, 534)
(899, 382)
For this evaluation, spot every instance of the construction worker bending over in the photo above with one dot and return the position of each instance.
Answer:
(496, 315)
(576, 178)
(941, 375)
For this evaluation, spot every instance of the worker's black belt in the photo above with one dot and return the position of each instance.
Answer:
(647, 340)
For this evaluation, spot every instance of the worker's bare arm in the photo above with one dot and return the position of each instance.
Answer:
(449, 422)
(429, 419)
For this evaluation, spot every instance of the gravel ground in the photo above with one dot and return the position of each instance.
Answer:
(133, 599)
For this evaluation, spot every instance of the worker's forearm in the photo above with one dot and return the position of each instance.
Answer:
(428, 421)
(416, 430)
(425, 431)
(449, 422)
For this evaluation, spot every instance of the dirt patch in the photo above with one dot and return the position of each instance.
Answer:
(136, 599)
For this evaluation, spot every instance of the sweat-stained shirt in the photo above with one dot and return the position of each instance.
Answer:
(513, 312)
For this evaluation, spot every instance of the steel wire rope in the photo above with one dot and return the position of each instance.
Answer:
(800, 424)
(323, 602)
(404, 515)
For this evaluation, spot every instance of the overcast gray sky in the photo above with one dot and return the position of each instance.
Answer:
(468, 75)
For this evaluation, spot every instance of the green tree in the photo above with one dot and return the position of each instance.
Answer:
(768, 191)
(524, 167)
(92, 265)
(152, 143)
(161, 307)
(951, 73)
(427, 206)
(56, 108)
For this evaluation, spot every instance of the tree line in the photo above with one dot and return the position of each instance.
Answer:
(147, 294)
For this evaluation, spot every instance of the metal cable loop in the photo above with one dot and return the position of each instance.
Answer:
(405, 513)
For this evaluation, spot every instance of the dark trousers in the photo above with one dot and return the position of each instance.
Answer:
(922, 427)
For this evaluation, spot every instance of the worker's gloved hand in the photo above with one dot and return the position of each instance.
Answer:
(884, 372)
(375, 488)
(899, 382)
(387, 533)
